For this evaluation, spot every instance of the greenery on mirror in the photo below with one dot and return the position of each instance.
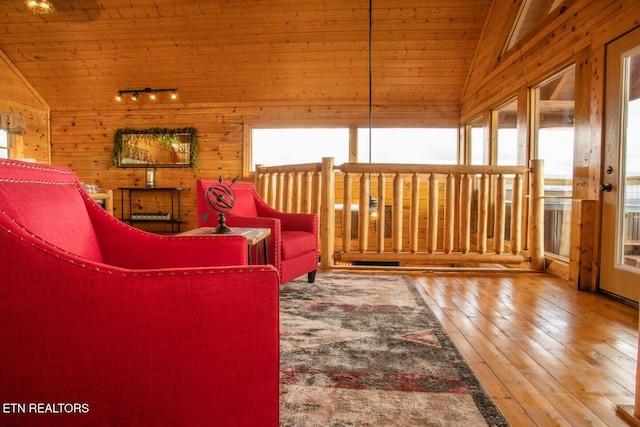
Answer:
(139, 147)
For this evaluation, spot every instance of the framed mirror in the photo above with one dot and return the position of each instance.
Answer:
(156, 147)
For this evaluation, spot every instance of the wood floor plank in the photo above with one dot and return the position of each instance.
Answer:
(547, 353)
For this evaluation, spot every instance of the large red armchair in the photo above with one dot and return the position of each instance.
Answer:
(102, 324)
(293, 243)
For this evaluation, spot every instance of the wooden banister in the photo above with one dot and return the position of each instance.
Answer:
(439, 214)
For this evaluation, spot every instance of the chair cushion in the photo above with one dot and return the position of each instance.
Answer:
(296, 243)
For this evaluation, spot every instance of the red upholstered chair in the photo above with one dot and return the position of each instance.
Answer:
(293, 243)
(124, 327)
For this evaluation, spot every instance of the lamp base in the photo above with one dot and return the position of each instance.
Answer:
(222, 227)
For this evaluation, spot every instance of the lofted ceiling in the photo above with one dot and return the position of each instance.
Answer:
(242, 52)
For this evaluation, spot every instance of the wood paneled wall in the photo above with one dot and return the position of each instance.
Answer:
(17, 96)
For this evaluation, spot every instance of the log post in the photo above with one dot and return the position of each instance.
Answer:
(397, 213)
(346, 213)
(536, 219)
(415, 211)
(449, 213)
(363, 214)
(382, 200)
(327, 213)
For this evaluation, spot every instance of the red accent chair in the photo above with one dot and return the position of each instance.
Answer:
(293, 243)
(110, 325)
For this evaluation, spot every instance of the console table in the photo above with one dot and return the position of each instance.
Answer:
(253, 236)
(172, 216)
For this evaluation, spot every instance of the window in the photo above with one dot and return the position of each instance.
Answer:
(507, 134)
(409, 145)
(4, 144)
(476, 142)
(288, 146)
(532, 12)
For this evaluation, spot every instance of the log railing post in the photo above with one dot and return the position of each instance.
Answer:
(516, 214)
(382, 200)
(536, 219)
(449, 212)
(327, 213)
(347, 194)
(363, 214)
(465, 213)
(432, 235)
(415, 211)
(396, 243)
(500, 210)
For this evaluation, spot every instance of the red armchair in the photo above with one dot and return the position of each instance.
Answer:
(104, 324)
(293, 243)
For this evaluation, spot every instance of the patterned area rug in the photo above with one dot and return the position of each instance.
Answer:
(365, 350)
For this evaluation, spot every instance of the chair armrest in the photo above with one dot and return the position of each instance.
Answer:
(290, 221)
(190, 346)
(129, 247)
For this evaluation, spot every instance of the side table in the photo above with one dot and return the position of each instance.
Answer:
(254, 236)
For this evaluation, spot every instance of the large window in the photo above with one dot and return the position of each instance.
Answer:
(288, 146)
(409, 145)
(285, 146)
(4, 144)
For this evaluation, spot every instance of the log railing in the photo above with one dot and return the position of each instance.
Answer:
(416, 215)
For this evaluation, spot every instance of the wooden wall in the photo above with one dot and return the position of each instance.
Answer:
(17, 96)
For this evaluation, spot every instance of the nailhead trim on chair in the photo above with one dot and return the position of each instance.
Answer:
(81, 264)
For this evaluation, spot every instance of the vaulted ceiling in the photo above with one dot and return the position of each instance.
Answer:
(258, 52)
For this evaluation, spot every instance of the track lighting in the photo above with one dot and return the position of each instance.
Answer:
(153, 93)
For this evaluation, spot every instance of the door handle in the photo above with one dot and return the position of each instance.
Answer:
(606, 187)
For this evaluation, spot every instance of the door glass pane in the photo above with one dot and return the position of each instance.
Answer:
(555, 109)
(630, 169)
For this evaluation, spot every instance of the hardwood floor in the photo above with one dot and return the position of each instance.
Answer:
(547, 353)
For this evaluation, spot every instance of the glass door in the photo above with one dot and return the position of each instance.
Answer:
(620, 259)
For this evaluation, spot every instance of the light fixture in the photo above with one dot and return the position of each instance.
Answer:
(39, 6)
(153, 93)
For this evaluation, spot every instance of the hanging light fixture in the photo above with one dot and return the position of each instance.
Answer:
(39, 6)
(373, 202)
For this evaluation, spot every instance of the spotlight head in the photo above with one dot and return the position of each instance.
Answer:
(174, 94)
(119, 97)
(152, 96)
(135, 96)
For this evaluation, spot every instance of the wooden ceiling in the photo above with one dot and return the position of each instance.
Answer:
(245, 52)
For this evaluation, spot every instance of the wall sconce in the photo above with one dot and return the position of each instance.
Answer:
(152, 93)
(39, 6)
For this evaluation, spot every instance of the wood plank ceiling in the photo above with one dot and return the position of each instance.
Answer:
(245, 52)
